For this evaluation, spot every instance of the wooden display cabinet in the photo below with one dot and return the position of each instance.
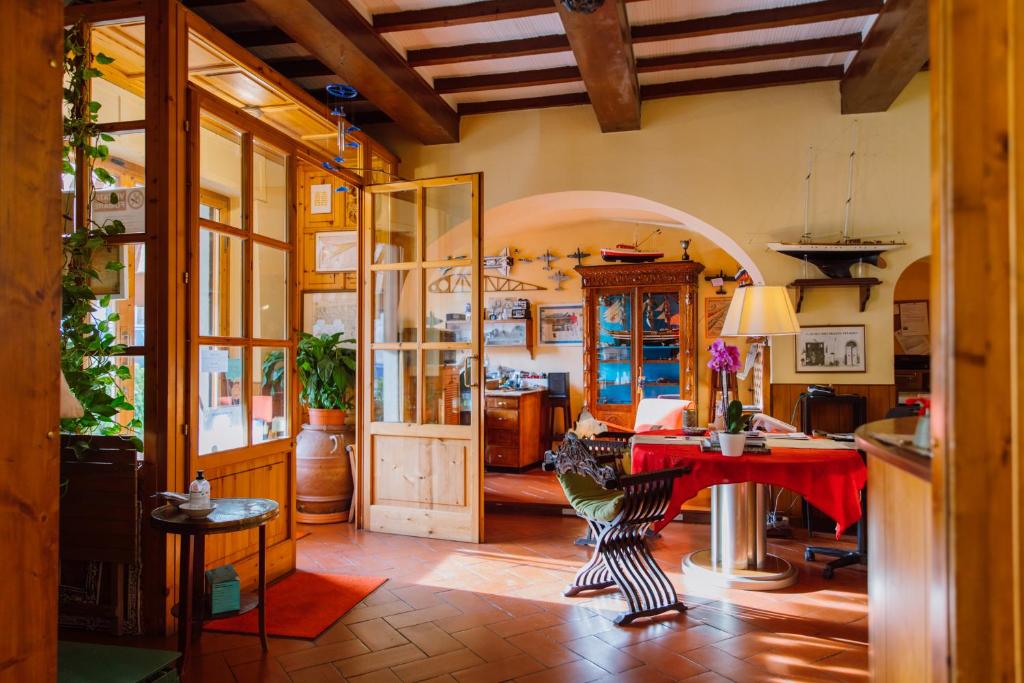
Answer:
(640, 335)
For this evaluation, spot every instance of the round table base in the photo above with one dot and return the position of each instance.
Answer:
(776, 574)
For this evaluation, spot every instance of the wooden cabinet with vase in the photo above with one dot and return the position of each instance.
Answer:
(640, 335)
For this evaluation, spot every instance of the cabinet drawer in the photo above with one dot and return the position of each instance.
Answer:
(508, 402)
(502, 437)
(502, 456)
(502, 419)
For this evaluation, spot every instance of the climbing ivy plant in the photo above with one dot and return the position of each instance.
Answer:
(88, 343)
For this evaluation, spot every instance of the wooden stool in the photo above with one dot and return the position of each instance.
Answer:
(558, 397)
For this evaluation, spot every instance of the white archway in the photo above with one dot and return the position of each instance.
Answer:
(559, 207)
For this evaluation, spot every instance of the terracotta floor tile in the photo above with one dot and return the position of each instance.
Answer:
(543, 649)
(732, 668)
(668, 662)
(791, 669)
(487, 644)
(571, 630)
(278, 646)
(336, 633)
(431, 667)
(609, 658)
(579, 671)
(803, 648)
(321, 654)
(643, 674)
(418, 597)
(637, 632)
(377, 634)
(707, 677)
(430, 638)
(381, 676)
(504, 670)
(482, 617)
(850, 665)
(421, 616)
(382, 659)
(210, 668)
(690, 638)
(261, 671)
(324, 673)
(376, 611)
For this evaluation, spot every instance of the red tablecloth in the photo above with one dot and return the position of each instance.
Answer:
(830, 480)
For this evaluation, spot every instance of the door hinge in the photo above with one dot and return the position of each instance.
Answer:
(184, 277)
(188, 127)
(184, 429)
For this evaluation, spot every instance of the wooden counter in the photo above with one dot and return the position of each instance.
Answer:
(517, 428)
(899, 554)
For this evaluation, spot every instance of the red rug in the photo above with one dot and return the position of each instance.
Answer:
(303, 605)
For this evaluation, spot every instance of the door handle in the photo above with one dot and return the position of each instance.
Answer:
(469, 371)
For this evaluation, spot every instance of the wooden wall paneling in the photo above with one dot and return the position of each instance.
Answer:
(344, 215)
(1016, 77)
(166, 296)
(30, 262)
(976, 346)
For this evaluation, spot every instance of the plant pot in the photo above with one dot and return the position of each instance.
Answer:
(323, 478)
(333, 417)
(732, 444)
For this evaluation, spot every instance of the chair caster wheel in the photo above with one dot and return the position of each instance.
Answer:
(808, 555)
(827, 572)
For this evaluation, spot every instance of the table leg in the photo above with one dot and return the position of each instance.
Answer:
(263, 587)
(198, 584)
(184, 600)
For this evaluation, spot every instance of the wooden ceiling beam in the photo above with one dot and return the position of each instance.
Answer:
(807, 13)
(604, 54)
(300, 67)
(261, 37)
(569, 74)
(649, 92)
(792, 15)
(335, 33)
(896, 48)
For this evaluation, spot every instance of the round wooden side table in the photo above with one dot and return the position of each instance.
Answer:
(232, 514)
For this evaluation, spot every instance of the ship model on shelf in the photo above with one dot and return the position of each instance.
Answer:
(835, 259)
(631, 253)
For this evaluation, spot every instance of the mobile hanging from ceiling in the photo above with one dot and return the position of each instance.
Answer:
(337, 95)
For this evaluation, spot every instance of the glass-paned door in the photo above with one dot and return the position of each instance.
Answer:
(420, 406)
(614, 348)
(659, 358)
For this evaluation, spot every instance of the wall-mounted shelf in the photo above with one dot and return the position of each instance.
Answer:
(864, 284)
(509, 334)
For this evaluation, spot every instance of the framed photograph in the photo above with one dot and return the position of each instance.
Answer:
(560, 324)
(831, 348)
(330, 312)
(715, 308)
(504, 333)
(336, 251)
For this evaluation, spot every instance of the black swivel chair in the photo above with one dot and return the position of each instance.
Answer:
(858, 406)
(558, 397)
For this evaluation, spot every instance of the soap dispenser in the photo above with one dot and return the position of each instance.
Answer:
(199, 491)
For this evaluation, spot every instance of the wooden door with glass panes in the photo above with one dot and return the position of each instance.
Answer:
(242, 323)
(421, 344)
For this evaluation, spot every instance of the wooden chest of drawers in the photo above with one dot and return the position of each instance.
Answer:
(516, 428)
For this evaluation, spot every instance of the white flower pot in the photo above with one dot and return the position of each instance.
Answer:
(732, 444)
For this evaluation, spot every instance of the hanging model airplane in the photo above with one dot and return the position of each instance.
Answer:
(548, 258)
(579, 255)
(559, 277)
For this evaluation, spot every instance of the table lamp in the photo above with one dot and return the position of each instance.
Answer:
(760, 311)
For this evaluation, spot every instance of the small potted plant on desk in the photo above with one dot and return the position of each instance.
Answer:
(734, 439)
(327, 367)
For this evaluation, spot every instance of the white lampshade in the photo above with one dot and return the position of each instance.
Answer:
(760, 312)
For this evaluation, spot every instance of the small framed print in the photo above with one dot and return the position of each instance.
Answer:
(560, 324)
(336, 251)
(831, 348)
(715, 308)
(320, 198)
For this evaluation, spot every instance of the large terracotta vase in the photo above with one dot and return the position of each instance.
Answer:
(323, 479)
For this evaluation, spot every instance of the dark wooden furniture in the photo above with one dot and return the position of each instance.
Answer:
(558, 398)
(900, 541)
(232, 514)
(821, 408)
(99, 534)
(84, 662)
(640, 335)
(517, 432)
(621, 557)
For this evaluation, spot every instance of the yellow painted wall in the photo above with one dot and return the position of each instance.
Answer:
(733, 160)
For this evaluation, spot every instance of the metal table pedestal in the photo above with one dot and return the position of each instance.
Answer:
(738, 556)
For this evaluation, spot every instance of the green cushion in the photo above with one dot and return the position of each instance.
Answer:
(590, 499)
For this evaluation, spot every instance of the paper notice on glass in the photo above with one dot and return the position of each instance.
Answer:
(914, 344)
(212, 359)
(320, 198)
(914, 318)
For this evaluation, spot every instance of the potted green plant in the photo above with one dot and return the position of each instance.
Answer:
(327, 371)
(734, 439)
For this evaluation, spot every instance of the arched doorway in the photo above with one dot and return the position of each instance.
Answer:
(911, 321)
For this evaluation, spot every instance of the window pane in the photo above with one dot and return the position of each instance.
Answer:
(395, 305)
(447, 222)
(330, 313)
(127, 290)
(394, 220)
(124, 199)
(270, 371)
(614, 349)
(448, 305)
(221, 409)
(69, 206)
(270, 293)
(121, 89)
(133, 387)
(269, 192)
(220, 172)
(221, 285)
(447, 399)
(394, 386)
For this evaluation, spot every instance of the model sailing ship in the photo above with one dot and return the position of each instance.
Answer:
(631, 253)
(835, 259)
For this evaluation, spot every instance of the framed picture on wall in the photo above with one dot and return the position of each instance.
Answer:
(330, 312)
(560, 324)
(336, 251)
(715, 308)
(831, 348)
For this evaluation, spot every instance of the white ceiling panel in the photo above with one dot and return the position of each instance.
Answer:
(482, 32)
(496, 66)
(388, 6)
(659, 11)
(516, 93)
(737, 69)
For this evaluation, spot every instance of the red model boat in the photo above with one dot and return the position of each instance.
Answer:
(628, 253)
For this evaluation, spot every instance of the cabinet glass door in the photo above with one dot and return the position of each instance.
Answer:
(659, 350)
(614, 348)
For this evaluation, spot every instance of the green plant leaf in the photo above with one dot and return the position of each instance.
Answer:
(103, 59)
